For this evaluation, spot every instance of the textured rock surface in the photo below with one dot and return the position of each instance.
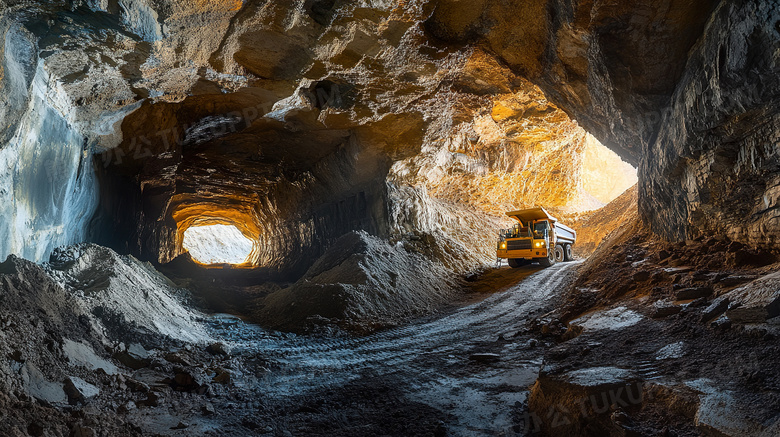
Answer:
(47, 190)
(613, 65)
(347, 91)
(593, 228)
(368, 150)
(713, 165)
(757, 301)
(686, 89)
(304, 124)
(700, 371)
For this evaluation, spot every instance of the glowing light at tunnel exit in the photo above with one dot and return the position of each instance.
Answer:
(217, 244)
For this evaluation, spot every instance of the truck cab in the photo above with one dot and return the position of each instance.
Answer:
(537, 236)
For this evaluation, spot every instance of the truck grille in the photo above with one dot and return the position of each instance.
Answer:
(518, 244)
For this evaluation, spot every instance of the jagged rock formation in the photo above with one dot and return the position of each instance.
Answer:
(295, 124)
(48, 192)
(712, 168)
(684, 89)
(629, 84)
(368, 151)
(613, 65)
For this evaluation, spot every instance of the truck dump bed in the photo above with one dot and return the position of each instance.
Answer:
(564, 233)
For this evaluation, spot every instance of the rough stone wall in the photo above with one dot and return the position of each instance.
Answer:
(686, 89)
(611, 64)
(47, 191)
(713, 168)
(330, 118)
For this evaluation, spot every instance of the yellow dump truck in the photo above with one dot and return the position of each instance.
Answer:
(537, 236)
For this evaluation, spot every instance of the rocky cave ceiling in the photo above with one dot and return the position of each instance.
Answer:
(301, 121)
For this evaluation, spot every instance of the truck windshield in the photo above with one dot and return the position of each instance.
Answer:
(517, 231)
(540, 230)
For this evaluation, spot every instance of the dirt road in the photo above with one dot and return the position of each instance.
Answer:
(466, 373)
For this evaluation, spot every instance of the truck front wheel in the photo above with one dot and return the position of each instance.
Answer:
(549, 260)
(515, 263)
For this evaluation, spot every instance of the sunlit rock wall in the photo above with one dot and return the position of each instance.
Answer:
(592, 227)
(47, 185)
(684, 89)
(604, 177)
(611, 64)
(497, 146)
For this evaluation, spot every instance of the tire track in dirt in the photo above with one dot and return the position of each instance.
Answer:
(416, 353)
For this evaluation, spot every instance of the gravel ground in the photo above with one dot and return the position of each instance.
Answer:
(72, 367)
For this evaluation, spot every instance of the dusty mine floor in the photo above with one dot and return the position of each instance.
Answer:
(114, 349)
(465, 373)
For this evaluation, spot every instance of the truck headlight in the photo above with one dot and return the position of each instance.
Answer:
(540, 244)
(503, 245)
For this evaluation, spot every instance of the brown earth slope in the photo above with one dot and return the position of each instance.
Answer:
(656, 338)
(592, 228)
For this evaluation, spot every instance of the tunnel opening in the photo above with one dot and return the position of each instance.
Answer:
(605, 176)
(217, 244)
(215, 237)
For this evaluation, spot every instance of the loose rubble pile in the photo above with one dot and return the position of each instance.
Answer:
(678, 339)
(361, 283)
(92, 339)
